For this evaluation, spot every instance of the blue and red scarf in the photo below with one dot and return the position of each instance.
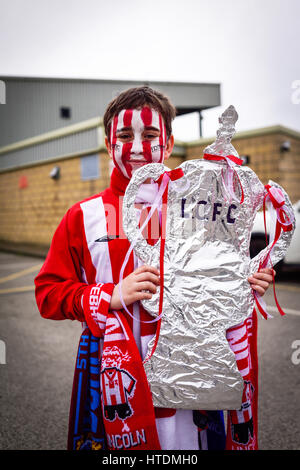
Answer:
(86, 430)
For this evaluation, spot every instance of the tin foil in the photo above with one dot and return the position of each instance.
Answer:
(206, 266)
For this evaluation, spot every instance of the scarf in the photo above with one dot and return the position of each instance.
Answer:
(242, 424)
(127, 414)
(86, 429)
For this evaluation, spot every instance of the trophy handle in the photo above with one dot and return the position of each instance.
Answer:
(280, 248)
(147, 253)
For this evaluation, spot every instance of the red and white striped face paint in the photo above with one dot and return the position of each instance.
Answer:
(138, 137)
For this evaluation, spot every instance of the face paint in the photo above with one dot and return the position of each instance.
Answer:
(137, 137)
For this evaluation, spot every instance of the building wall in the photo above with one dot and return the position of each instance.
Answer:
(266, 159)
(32, 204)
(289, 170)
(31, 213)
(32, 105)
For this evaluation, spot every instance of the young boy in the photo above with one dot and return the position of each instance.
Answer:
(79, 281)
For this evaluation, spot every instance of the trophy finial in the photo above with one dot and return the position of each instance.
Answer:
(222, 145)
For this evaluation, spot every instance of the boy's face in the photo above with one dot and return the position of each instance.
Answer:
(138, 137)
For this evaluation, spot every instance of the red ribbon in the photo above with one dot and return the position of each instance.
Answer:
(284, 222)
(175, 174)
(232, 158)
(277, 198)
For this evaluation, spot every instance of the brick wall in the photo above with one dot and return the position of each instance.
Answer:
(30, 214)
(266, 159)
(289, 169)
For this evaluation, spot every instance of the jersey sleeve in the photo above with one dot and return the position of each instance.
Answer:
(59, 286)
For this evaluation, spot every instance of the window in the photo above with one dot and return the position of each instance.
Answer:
(89, 167)
(65, 112)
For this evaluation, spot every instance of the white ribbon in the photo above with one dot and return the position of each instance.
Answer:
(155, 205)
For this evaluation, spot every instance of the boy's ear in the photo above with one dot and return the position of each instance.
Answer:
(169, 147)
(108, 146)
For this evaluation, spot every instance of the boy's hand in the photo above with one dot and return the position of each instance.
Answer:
(145, 278)
(261, 280)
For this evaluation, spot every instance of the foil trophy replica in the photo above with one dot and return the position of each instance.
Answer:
(209, 217)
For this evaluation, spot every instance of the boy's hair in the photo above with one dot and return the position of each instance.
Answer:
(136, 98)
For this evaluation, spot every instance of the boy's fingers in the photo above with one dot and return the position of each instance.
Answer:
(268, 271)
(147, 276)
(146, 268)
(262, 284)
(265, 274)
(147, 285)
(143, 296)
(261, 276)
(258, 289)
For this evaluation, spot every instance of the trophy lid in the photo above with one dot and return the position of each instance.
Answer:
(222, 145)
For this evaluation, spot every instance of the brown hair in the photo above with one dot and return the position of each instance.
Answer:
(136, 98)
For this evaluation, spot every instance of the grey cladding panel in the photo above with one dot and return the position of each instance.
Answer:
(33, 105)
(74, 143)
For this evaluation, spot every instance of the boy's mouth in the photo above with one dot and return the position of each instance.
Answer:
(136, 161)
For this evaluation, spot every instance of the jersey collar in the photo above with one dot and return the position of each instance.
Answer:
(118, 182)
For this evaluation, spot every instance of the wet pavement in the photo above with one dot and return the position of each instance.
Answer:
(37, 359)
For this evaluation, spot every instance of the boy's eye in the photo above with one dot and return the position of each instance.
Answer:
(150, 135)
(124, 136)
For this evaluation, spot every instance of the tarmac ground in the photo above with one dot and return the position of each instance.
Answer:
(37, 359)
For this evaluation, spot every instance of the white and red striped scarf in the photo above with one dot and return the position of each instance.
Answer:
(242, 424)
(128, 413)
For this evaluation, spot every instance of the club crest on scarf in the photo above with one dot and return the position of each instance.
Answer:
(88, 443)
(242, 420)
(117, 384)
(117, 389)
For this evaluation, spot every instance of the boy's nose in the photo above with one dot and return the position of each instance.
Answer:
(137, 146)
